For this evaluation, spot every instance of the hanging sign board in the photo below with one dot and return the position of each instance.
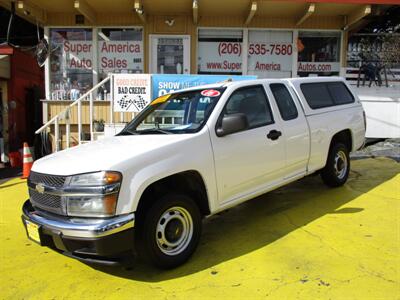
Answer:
(131, 92)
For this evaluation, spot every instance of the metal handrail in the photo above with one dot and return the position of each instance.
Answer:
(66, 111)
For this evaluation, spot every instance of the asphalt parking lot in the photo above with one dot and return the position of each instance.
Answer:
(303, 241)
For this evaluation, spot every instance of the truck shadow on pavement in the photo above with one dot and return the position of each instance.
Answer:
(6, 174)
(259, 222)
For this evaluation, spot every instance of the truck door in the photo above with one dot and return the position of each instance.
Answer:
(249, 161)
(296, 135)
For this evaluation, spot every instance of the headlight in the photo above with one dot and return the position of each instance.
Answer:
(93, 194)
(92, 206)
(95, 179)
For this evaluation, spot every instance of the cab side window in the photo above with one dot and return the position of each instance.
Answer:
(317, 95)
(326, 94)
(284, 100)
(251, 101)
(340, 93)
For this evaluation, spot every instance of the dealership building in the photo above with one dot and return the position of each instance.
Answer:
(89, 39)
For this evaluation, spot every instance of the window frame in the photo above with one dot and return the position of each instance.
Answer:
(326, 83)
(95, 68)
(244, 43)
(293, 31)
(48, 72)
(141, 116)
(98, 28)
(294, 104)
(221, 115)
(346, 88)
(342, 47)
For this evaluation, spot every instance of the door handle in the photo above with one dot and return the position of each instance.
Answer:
(274, 134)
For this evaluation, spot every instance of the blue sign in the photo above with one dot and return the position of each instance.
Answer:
(168, 83)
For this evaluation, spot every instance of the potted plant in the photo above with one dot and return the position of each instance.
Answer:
(98, 125)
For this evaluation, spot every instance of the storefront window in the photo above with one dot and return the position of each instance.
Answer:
(120, 51)
(71, 62)
(270, 53)
(319, 53)
(220, 51)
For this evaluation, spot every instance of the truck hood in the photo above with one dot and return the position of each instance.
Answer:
(103, 154)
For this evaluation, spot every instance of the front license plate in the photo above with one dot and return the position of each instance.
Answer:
(33, 231)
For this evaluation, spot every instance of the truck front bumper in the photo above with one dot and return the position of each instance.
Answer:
(106, 241)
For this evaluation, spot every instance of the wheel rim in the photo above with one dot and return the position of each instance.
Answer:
(341, 164)
(174, 230)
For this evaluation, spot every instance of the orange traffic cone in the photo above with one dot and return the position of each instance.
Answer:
(28, 162)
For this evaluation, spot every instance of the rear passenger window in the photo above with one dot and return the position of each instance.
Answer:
(252, 102)
(324, 94)
(340, 93)
(284, 100)
(317, 95)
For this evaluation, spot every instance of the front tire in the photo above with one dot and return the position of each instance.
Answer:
(170, 231)
(337, 168)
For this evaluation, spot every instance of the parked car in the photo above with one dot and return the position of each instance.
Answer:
(186, 156)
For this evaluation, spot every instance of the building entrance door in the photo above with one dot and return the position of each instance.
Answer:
(169, 54)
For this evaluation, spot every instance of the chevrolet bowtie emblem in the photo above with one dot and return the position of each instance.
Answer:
(40, 188)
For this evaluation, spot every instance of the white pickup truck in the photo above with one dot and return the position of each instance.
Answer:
(186, 156)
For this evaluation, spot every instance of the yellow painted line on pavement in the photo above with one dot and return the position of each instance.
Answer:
(304, 241)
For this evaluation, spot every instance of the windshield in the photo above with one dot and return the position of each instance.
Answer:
(184, 112)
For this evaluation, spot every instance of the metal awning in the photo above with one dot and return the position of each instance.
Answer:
(298, 10)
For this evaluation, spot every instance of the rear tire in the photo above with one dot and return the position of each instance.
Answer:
(170, 231)
(337, 168)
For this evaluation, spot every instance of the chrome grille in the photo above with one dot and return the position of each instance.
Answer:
(46, 179)
(48, 202)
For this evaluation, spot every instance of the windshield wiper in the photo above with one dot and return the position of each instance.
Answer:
(127, 132)
(152, 130)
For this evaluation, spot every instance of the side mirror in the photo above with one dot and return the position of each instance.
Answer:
(232, 123)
